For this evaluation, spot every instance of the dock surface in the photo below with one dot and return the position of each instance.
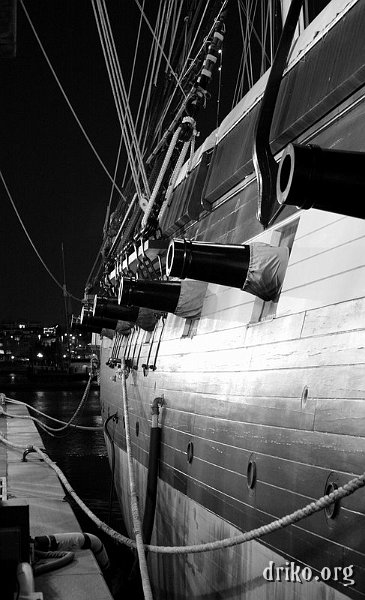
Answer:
(49, 512)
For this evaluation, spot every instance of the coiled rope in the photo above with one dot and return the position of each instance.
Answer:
(294, 517)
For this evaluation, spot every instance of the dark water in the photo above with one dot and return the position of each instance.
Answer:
(83, 458)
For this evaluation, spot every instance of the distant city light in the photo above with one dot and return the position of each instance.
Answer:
(65, 356)
(12, 357)
(39, 355)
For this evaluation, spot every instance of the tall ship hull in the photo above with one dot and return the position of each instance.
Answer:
(260, 397)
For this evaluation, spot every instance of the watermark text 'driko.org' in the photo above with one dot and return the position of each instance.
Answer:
(295, 573)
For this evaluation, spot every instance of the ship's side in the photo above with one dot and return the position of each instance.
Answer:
(263, 402)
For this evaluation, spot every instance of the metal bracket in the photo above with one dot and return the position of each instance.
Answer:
(28, 450)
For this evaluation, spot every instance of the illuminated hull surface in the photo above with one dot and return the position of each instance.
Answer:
(280, 384)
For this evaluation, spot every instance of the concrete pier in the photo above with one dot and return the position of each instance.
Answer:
(37, 484)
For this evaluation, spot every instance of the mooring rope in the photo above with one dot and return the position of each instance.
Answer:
(115, 535)
(137, 523)
(67, 425)
(346, 490)
(46, 427)
(30, 407)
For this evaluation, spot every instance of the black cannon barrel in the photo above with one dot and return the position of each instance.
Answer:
(326, 179)
(158, 295)
(216, 263)
(77, 327)
(87, 318)
(110, 309)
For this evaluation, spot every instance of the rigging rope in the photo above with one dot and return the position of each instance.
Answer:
(60, 285)
(151, 75)
(68, 101)
(107, 213)
(133, 136)
(174, 176)
(162, 50)
(107, 52)
(174, 27)
(162, 24)
(182, 76)
(130, 89)
(160, 177)
(120, 96)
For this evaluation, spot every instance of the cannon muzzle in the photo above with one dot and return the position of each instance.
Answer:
(214, 263)
(330, 180)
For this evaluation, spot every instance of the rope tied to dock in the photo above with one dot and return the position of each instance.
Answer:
(346, 490)
(47, 428)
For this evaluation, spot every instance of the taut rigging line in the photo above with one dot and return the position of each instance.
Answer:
(68, 101)
(120, 96)
(60, 285)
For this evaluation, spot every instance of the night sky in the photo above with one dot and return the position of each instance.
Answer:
(57, 184)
